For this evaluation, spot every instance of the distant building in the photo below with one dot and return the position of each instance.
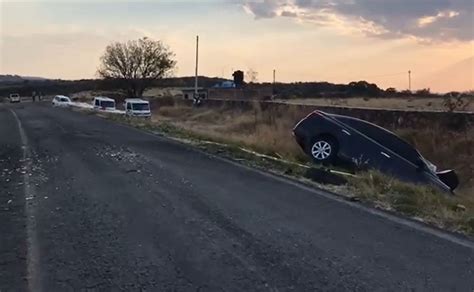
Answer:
(228, 90)
(253, 93)
(188, 93)
(238, 78)
(225, 84)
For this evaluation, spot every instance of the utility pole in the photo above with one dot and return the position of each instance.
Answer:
(196, 93)
(273, 88)
(409, 80)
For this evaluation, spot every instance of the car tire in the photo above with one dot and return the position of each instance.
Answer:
(323, 149)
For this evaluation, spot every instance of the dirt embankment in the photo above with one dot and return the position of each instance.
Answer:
(447, 139)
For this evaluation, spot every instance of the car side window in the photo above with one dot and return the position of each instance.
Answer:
(129, 106)
(385, 138)
(97, 103)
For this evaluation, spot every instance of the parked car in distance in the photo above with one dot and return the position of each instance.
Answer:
(104, 103)
(135, 107)
(15, 97)
(330, 138)
(61, 101)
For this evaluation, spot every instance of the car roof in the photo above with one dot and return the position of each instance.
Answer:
(61, 96)
(104, 98)
(136, 100)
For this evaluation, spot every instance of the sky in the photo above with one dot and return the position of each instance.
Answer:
(303, 40)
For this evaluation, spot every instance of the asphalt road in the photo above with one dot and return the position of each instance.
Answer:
(86, 204)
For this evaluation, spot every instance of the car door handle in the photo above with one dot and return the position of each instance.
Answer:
(385, 154)
(346, 132)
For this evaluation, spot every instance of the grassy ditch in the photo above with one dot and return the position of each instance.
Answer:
(263, 140)
(420, 202)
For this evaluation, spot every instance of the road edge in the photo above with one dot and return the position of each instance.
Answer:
(30, 193)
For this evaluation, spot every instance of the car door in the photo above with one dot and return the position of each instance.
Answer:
(375, 147)
(129, 109)
(353, 145)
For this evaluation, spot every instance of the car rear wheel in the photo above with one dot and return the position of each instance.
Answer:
(323, 149)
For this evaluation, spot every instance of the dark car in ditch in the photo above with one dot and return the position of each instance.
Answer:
(332, 139)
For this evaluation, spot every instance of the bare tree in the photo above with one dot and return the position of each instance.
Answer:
(136, 63)
(251, 75)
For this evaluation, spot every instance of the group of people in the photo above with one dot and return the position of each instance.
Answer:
(36, 95)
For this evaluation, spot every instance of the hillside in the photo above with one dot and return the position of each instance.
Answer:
(16, 79)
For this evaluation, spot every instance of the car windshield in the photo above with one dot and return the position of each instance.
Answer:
(141, 106)
(63, 99)
(107, 104)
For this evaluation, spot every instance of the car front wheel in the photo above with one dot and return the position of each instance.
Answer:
(323, 149)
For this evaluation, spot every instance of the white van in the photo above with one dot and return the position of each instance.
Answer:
(104, 103)
(135, 107)
(14, 97)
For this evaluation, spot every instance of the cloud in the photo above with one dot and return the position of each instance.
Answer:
(426, 20)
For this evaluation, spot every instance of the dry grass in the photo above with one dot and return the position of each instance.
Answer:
(449, 150)
(255, 129)
(408, 103)
(156, 92)
(416, 201)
